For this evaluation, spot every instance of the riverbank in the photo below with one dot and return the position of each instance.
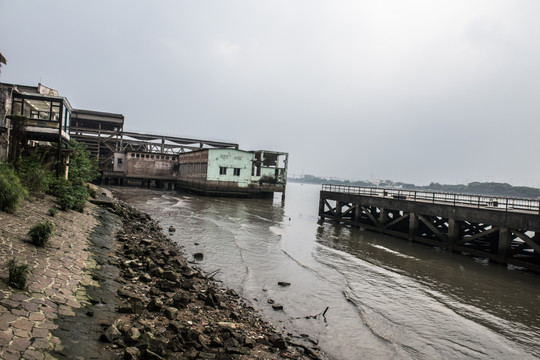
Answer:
(93, 294)
(58, 276)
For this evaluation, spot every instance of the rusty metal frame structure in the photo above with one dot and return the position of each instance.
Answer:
(104, 135)
(124, 141)
(165, 144)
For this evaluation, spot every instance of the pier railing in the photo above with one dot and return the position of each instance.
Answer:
(479, 201)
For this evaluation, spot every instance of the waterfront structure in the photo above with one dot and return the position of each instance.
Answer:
(165, 161)
(35, 115)
(214, 171)
(32, 115)
(505, 230)
(233, 172)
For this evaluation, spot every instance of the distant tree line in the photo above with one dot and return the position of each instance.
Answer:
(478, 188)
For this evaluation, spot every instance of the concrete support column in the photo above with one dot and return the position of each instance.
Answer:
(453, 233)
(321, 208)
(383, 217)
(504, 244)
(337, 214)
(357, 214)
(413, 225)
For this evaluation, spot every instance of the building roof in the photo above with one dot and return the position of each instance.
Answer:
(40, 92)
(83, 112)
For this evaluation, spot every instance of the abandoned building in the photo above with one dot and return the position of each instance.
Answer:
(33, 116)
(129, 158)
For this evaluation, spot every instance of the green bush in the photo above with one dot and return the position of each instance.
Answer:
(82, 166)
(41, 232)
(17, 274)
(34, 173)
(53, 211)
(71, 196)
(11, 190)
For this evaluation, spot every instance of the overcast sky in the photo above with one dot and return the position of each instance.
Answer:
(407, 90)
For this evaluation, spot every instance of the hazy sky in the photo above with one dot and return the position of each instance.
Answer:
(415, 91)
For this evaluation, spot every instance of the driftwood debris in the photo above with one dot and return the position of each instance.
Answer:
(322, 314)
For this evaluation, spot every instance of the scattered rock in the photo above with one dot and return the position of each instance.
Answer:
(227, 325)
(133, 334)
(154, 305)
(111, 334)
(171, 313)
(284, 283)
(132, 353)
(169, 275)
(278, 342)
(198, 256)
(145, 278)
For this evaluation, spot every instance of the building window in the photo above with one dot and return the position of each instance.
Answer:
(137, 155)
(236, 171)
(119, 162)
(222, 170)
(132, 155)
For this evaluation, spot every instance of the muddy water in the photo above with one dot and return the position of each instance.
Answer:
(387, 298)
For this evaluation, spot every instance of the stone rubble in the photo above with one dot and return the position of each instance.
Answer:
(171, 310)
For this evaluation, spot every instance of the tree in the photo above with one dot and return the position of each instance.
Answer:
(82, 166)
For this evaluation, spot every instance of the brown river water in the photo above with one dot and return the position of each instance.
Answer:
(387, 298)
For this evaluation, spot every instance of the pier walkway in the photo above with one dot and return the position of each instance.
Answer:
(504, 230)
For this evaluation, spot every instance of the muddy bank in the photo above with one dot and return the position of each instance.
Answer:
(80, 332)
(167, 309)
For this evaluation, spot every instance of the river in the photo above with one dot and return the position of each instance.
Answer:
(387, 298)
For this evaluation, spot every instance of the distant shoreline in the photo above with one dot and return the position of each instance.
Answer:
(477, 188)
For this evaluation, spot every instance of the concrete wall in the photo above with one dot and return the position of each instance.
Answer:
(153, 166)
(230, 166)
(119, 162)
(193, 165)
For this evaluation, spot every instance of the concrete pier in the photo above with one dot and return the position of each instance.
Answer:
(504, 230)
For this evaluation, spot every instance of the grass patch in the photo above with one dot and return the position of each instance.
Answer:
(17, 274)
(41, 233)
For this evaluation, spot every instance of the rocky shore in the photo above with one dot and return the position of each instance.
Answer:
(133, 295)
